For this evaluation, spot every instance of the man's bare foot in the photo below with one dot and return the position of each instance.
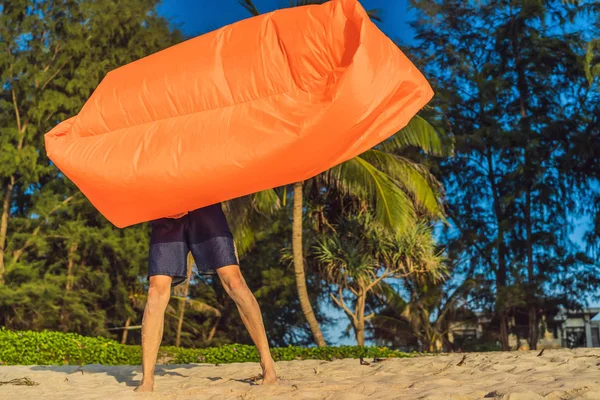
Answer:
(145, 386)
(269, 374)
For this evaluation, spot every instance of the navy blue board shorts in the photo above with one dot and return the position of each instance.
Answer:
(203, 232)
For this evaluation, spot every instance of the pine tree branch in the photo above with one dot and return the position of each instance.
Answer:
(18, 253)
(15, 105)
(55, 73)
(56, 50)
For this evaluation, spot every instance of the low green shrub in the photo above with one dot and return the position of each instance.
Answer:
(52, 348)
(232, 353)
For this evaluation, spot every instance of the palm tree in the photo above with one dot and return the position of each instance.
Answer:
(431, 305)
(361, 256)
(298, 252)
(430, 312)
(349, 261)
(246, 216)
(385, 176)
(394, 183)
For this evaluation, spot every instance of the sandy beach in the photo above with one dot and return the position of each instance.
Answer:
(556, 375)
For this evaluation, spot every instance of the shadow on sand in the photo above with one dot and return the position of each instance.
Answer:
(130, 375)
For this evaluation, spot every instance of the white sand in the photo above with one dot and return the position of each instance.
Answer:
(556, 375)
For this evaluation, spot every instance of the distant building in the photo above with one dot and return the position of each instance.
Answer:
(577, 328)
(470, 329)
(568, 329)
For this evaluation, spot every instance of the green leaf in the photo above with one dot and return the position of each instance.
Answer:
(362, 179)
(418, 133)
(414, 178)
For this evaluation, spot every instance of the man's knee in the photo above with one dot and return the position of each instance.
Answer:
(159, 292)
(233, 281)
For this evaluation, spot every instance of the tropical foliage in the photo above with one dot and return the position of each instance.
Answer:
(393, 183)
(486, 204)
(359, 257)
(523, 170)
(55, 348)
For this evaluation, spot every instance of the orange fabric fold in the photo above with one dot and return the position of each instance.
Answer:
(264, 102)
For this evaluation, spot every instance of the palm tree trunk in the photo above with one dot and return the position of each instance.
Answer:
(180, 321)
(184, 294)
(4, 225)
(213, 330)
(299, 268)
(125, 331)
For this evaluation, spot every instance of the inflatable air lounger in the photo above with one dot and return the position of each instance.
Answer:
(262, 103)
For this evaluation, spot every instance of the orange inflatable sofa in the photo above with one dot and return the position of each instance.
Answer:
(258, 104)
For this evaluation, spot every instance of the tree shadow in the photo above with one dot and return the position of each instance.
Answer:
(248, 381)
(127, 374)
(251, 381)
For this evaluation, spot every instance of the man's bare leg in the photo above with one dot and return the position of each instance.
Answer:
(236, 287)
(152, 327)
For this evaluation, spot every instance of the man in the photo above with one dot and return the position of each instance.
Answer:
(206, 234)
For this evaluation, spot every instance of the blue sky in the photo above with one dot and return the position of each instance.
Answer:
(195, 17)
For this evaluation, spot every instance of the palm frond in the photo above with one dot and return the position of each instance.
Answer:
(390, 296)
(245, 216)
(266, 202)
(345, 260)
(375, 14)
(417, 133)
(140, 303)
(249, 5)
(170, 309)
(393, 207)
(387, 323)
(414, 178)
(198, 306)
(417, 250)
